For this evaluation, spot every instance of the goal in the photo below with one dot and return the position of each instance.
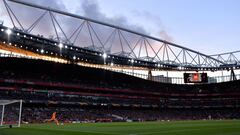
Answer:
(10, 113)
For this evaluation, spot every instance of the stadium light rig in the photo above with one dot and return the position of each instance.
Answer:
(132, 61)
(112, 64)
(104, 55)
(60, 45)
(8, 31)
(42, 51)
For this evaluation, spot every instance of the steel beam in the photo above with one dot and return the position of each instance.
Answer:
(113, 26)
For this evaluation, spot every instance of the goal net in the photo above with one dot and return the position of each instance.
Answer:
(10, 113)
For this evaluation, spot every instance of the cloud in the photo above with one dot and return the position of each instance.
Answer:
(165, 36)
(155, 24)
(90, 9)
(27, 15)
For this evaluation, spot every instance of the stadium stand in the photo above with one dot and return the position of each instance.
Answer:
(83, 94)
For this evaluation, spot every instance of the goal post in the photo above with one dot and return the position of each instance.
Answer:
(11, 113)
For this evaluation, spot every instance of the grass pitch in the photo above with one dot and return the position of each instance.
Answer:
(231, 127)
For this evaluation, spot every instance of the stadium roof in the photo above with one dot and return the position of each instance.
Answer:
(143, 51)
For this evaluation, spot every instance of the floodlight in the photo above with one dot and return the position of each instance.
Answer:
(60, 45)
(104, 55)
(8, 31)
(132, 60)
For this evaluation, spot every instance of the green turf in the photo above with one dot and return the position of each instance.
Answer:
(145, 128)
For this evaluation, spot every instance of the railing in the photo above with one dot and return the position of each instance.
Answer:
(177, 80)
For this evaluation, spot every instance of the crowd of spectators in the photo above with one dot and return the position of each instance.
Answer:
(82, 115)
(45, 71)
(113, 95)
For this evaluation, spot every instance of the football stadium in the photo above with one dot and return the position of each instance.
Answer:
(63, 73)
